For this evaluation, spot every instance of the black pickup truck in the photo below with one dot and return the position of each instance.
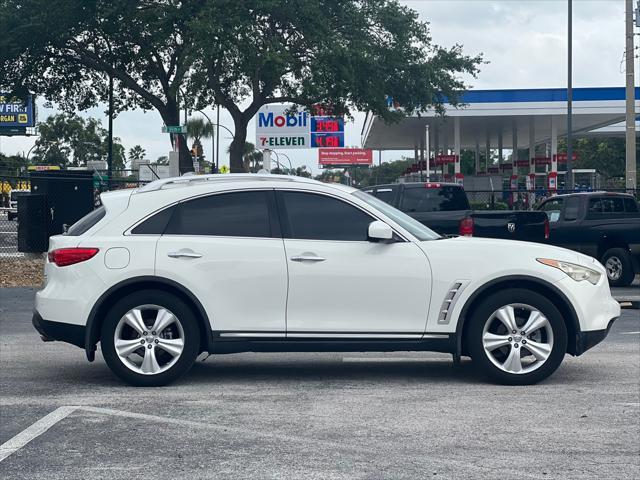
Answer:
(444, 207)
(601, 224)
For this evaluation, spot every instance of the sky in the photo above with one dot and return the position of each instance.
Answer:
(523, 41)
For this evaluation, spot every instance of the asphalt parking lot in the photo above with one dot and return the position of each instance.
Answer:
(347, 415)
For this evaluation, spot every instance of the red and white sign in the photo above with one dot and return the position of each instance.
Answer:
(522, 163)
(552, 181)
(562, 157)
(513, 182)
(446, 159)
(345, 156)
(542, 160)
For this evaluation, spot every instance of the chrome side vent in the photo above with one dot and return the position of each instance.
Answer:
(449, 301)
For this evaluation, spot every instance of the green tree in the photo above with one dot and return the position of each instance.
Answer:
(197, 129)
(345, 54)
(65, 50)
(162, 160)
(136, 153)
(70, 140)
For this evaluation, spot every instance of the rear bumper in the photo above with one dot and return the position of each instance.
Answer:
(589, 339)
(63, 332)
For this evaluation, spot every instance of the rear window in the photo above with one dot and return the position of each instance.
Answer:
(86, 222)
(443, 199)
(606, 205)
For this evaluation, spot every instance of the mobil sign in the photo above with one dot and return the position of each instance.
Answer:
(280, 126)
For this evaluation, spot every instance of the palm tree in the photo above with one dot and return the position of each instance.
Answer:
(198, 129)
(137, 153)
(252, 158)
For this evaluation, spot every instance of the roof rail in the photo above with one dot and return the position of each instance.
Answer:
(216, 177)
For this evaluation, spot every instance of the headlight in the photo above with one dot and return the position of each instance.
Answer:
(577, 272)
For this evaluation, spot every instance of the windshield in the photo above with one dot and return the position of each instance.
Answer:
(411, 225)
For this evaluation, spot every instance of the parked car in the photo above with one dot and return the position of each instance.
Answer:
(600, 224)
(13, 203)
(265, 263)
(445, 208)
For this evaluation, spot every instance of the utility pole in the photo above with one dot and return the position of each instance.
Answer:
(568, 181)
(218, 139)
(631, 180)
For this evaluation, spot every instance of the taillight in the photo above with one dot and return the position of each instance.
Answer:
(547, 229)
(64, 257)
(466, 227)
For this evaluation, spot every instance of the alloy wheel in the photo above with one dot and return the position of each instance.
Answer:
(149, 339)
(517, 338)
(613, 266)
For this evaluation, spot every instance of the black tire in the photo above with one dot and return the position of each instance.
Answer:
(623, 274)
(484, 312)
(190, 329)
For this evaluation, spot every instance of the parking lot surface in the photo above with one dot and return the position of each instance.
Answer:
(343, 415)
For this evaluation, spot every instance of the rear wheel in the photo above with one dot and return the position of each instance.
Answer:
(150, 338)
(517, 337)
(619, 266)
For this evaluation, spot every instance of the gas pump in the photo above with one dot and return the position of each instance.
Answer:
(460, 179)
(552, 181)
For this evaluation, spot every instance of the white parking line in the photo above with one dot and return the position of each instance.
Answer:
(629, 333)
(46, 422)
(35, 430)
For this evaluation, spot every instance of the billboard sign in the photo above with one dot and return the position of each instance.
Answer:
(283, 127)
(280, 127)
(16, 112)
(344, 156)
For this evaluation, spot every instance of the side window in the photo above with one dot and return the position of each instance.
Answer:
(595, 205)
(238, 214)
(440, 199)
(571, 209)
(552, 209)
(156, 224)
(630, 205)
(385, 194)
(318, 217)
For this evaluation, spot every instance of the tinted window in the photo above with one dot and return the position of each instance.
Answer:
(571, 208)
(443, 199)
(553, 209)
(385, 194)
(317, 217)
(156, 224)
(238, 214)
(630, 205)
(606, 205)
(86, 222)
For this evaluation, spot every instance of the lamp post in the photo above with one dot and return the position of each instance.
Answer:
(214, 135)
(568, 182)
(290, 164)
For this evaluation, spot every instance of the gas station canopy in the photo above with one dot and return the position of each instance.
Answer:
(495, 118)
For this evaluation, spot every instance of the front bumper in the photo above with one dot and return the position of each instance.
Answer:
(589, 339)
(63, 332)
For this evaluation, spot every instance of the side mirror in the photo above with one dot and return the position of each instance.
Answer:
(380, 231)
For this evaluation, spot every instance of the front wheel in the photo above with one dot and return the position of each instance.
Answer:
(517, 337)
(619, 266)
(150, 338)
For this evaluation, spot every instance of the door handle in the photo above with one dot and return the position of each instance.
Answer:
(307, 258)
(184, 254)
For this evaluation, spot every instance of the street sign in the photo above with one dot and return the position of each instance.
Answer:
(344, 156)
(174, 129)
(16, 112)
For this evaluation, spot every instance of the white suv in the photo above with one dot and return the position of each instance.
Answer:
(237, 263)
